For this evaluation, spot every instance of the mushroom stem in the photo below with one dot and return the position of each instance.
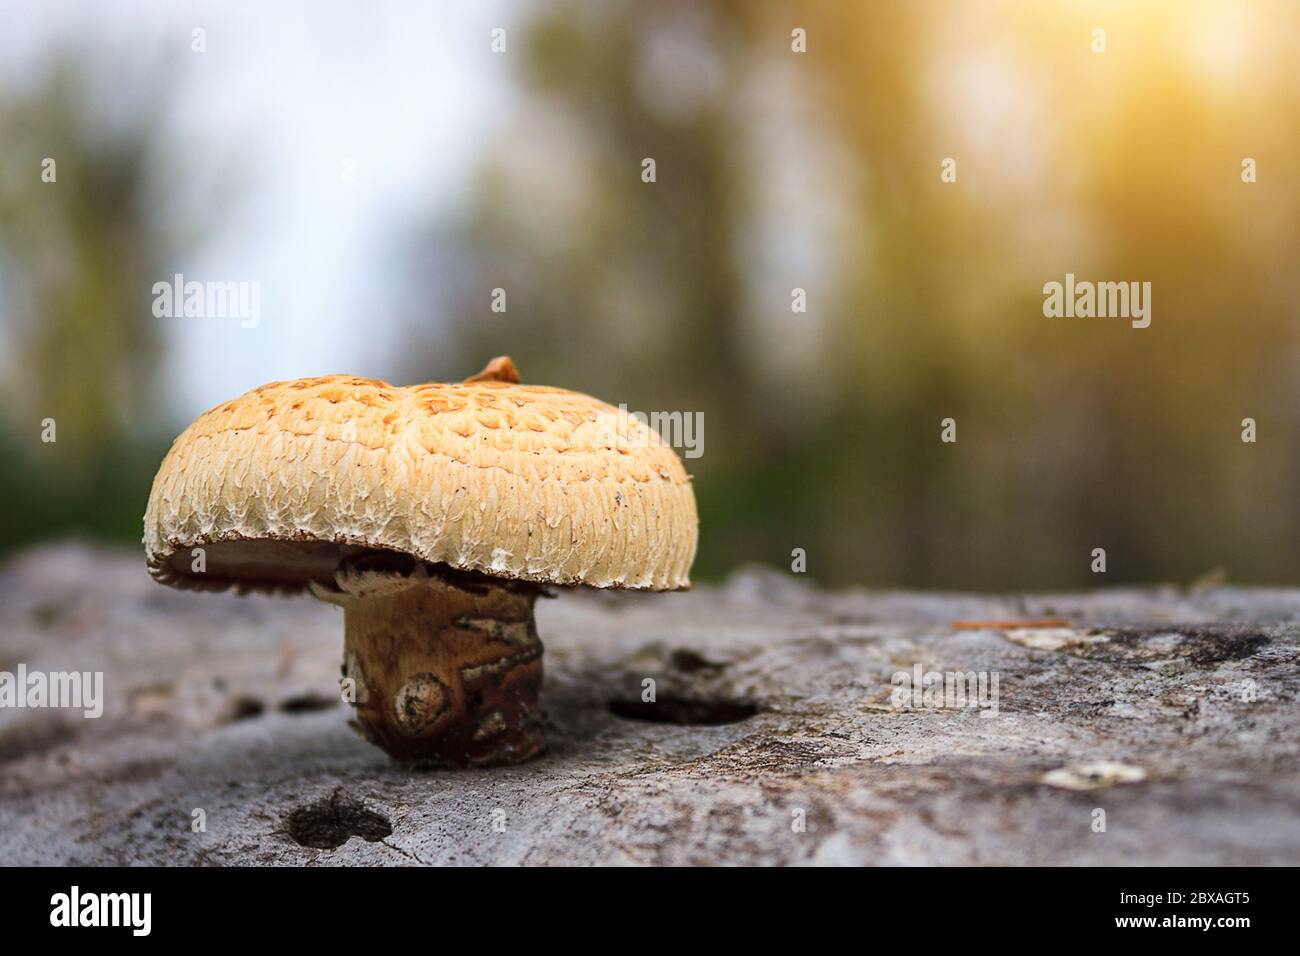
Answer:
(441, 671)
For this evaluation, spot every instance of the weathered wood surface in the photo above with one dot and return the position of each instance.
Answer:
(1185, 703)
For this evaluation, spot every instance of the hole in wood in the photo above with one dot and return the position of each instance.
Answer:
(329, 823)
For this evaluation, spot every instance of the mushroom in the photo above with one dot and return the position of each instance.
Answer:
(434, 515)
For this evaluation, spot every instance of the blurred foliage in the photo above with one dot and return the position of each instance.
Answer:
(78, 255)
(775, 171)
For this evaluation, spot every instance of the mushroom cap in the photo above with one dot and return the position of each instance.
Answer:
(524, 482)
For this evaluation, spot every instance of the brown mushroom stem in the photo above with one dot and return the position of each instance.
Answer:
(439, 671)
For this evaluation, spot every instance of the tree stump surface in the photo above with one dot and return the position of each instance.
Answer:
(1159, 727)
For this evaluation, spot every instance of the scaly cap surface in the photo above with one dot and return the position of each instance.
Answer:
(515, 481)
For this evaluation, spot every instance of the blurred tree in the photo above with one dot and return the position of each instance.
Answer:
(82, 240)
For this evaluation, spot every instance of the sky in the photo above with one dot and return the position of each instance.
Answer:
(341, 123)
